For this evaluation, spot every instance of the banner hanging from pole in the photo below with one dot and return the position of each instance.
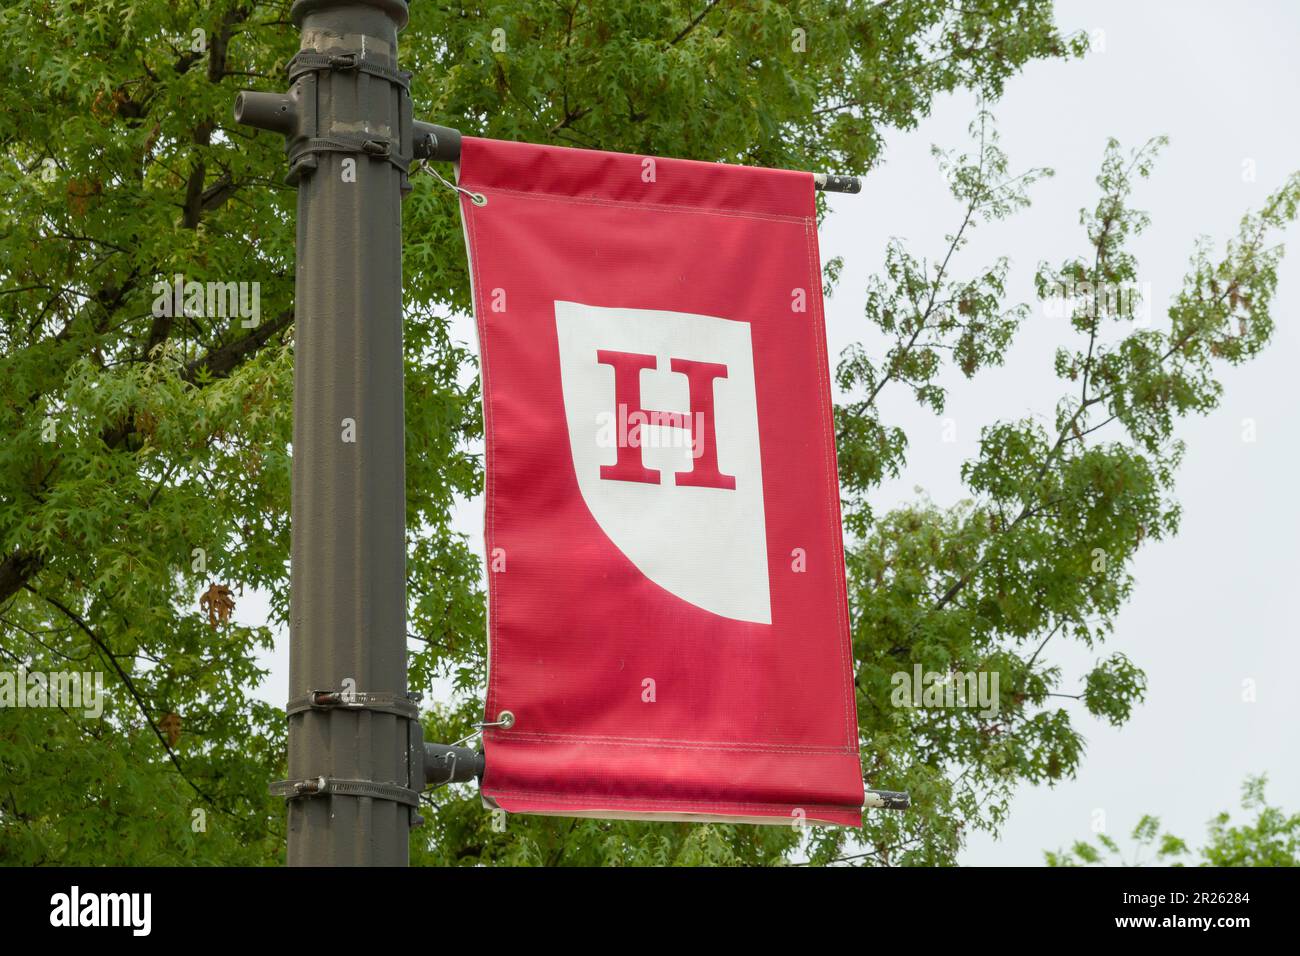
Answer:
(668, 623)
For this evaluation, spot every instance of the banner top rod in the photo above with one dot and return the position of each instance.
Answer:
(443, 143)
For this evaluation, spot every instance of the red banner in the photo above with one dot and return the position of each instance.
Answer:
(668, 633)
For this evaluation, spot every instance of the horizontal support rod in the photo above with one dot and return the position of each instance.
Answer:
(270, 111)
(436, 142)
(447, 763)
(443, 143)
(886, 800)
(831, 183)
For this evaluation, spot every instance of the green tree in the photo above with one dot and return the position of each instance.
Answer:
(1271, 839)
(146, 457)
(1041, 549)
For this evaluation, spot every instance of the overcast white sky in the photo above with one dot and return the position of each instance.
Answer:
(1214, 607)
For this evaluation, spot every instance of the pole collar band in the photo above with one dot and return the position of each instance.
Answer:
(403, 705)
(329, 786)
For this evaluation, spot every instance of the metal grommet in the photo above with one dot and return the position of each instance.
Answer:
(506, 719)
(477, 199)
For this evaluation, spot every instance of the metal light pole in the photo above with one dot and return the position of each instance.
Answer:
(354, 747)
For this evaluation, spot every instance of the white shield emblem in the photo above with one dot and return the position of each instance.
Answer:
(693, 527)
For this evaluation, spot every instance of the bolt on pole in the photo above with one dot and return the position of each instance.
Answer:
(355, 754)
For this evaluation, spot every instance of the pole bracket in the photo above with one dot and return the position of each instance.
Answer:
(405, 706)
(325, 786)
(296, 116)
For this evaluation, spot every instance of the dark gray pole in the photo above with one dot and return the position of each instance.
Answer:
(354, 746)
